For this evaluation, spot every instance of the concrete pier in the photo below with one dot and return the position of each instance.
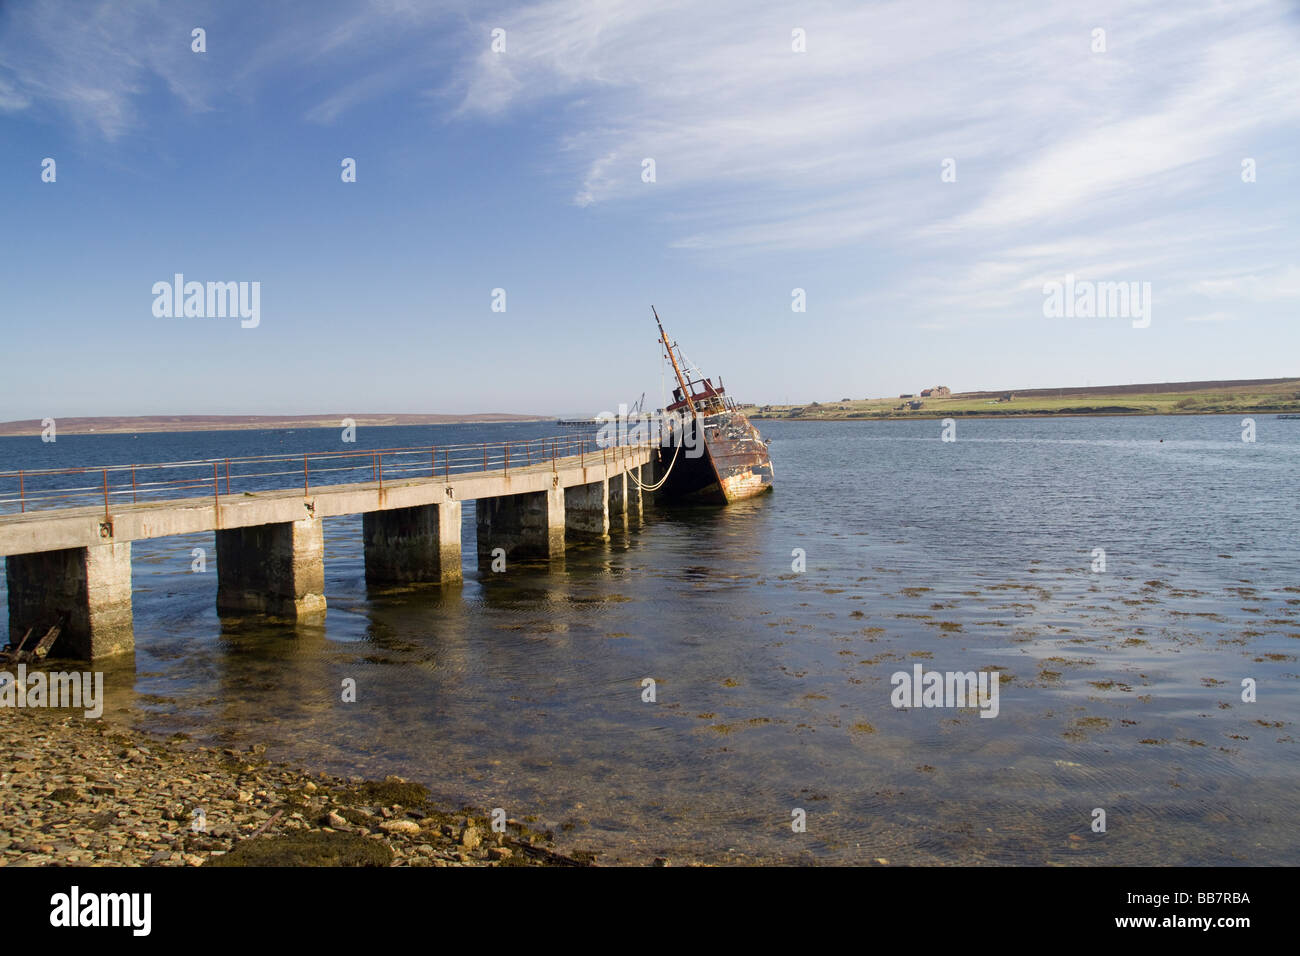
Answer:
(586, 509)
(90, 587)
(76, 561)
(413, 545)
(276, 569)
(524, 525)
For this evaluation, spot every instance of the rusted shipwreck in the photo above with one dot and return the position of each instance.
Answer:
(712, 453)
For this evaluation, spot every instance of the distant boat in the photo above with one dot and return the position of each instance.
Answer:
(1289, 416)
(734, 464)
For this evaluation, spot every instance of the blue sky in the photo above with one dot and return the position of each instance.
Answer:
(522, 169)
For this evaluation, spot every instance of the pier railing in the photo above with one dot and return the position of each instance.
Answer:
(44, 489)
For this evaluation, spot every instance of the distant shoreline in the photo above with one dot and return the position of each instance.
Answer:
(940, 415)
(127, 425)
(1242, 397)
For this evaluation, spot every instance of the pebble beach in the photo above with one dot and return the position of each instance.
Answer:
(78, 792)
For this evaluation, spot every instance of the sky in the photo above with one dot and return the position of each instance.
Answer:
(920, 171)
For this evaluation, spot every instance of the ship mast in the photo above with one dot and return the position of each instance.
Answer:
(686, 392)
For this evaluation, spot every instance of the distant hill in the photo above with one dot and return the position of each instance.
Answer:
(195, 423)
(1153, 389)
(1229, 396)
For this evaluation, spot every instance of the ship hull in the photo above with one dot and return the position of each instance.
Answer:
(734, 464)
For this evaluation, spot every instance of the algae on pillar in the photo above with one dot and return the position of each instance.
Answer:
(413, 545)
(586, 509)
(633, 495)
(524, 525)
(276, 569)
(618, 501)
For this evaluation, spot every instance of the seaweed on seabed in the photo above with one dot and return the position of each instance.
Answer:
(386, 793)
(308, 848)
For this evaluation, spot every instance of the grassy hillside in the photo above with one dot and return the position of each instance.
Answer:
(1181, 398)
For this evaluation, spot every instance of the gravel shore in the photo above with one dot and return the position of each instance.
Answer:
(77, 792)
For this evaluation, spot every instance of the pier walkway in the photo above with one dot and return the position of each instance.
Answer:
(66, 534)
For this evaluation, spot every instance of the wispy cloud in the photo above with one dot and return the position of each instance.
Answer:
(1122, 164)
(1067, 159)
(96, 64)
(93, 63)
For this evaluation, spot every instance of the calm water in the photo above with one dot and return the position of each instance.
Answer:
(523, 690)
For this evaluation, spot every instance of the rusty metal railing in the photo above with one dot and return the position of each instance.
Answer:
(113, 485)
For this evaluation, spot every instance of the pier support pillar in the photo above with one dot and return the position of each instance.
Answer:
(620, 501)
(586, 509)
(413, 545)
(90, 587)
(651, 472)
(276, 569)
(526, 525)
(633, 496)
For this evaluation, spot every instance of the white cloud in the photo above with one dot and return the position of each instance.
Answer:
(759, 149)
(94, 63)
(1121, 165)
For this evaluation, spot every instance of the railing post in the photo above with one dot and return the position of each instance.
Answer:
(227, 476)
(216, 488)
(306, 486)
(105, 494)
(506, 466)
(379, 465)
(22, 499)
(374, 468)
(134, 499)
(485, 456)
(446, 462)
(433, 461)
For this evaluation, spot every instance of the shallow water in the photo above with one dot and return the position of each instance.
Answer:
(1121, 690)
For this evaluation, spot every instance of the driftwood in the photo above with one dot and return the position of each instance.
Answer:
(16, 655)
(52, 635)
(263, 827)
(19, 648)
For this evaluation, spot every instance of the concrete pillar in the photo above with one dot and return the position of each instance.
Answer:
(413, 545)
(651, 472)
(634, 496)
(276, 569)
(526, 525)
(90, 586)
(586, 509)
(618, 501)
